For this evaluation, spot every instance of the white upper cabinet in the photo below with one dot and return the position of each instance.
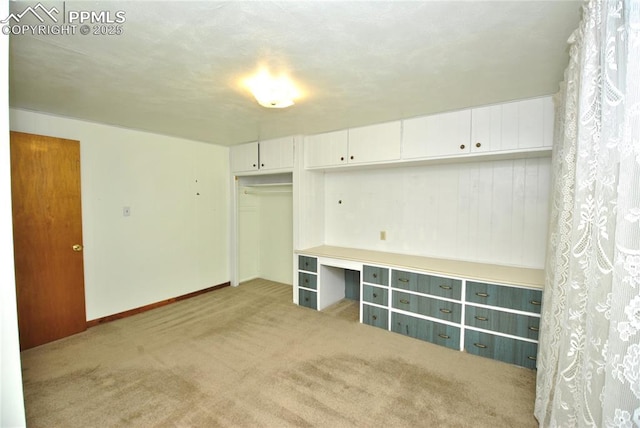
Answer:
(268, 155)
(244, 157)
(375, 143)
(509, 129)
(438, 135)
(519, 125)
(367, 144)
(328, 149)
(276, 153)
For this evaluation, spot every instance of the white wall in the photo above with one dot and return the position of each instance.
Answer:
(11, 395)
(248, 236)
(492, 212)
(174, 242)
(276, 237)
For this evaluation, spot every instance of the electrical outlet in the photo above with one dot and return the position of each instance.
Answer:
(383, 235)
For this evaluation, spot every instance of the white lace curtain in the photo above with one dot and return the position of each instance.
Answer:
(589, 352)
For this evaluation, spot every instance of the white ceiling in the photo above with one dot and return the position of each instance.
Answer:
(176, 68)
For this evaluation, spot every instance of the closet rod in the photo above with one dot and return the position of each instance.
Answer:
(262, 192)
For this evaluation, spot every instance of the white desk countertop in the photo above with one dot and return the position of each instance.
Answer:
(508, 275)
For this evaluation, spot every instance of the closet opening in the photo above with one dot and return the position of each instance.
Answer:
(265, 228)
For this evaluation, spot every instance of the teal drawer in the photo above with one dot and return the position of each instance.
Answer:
(307, 280)
(375, 275)
(308, 298)
(375, 295)
(505, 349)
(522, 299)
(418, 328)
(428, 284)
(310, 264)
(424, 305)
(375, 316)
(504, 322)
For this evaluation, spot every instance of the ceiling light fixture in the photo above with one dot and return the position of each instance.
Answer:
(272, 92)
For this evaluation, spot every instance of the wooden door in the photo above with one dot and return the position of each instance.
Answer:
(47, 234)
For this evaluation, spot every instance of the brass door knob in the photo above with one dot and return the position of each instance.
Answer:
(77, 247)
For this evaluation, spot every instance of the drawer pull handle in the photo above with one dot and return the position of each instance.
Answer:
(374, 317)
(375, 295)
(480, 345)
(375, 275)
(535, 302)
(403, 279)
(534, 328)
(445, 287)
(532, 358)
(404, 301)
(479, 318)
(445, 311)
(479, 294)
(444, 336)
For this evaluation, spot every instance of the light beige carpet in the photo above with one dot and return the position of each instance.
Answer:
(247, 356)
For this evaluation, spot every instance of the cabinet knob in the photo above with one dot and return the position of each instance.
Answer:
(254, 165)
(376, 295)
(374, 317)
(478, 145)
(341, 158)
(261, 164)
(375, 275)
(351, 157)
(462, 146)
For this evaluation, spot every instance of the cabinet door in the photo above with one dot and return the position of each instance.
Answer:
(517, 125)
(437, 135)
(329, 149)
(376, 295)
(375, 275)
(427, 284)
(505, 349)
(244, 157)
(375, 316)
(440, 334)
(375, 143)
(310, 264)
(504, 322)
(424, 305)
(276, 153)
(308, 298)
(307, 280)
(521, 299)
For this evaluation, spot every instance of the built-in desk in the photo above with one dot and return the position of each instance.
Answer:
(484, 309)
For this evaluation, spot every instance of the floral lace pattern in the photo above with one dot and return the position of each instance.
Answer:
(589, 351)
